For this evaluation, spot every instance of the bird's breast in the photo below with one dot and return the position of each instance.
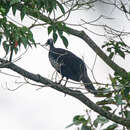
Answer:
(55, 63)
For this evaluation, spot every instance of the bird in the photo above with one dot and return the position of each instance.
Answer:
(69, 66)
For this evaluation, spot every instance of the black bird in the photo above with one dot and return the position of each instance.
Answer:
(69, 66)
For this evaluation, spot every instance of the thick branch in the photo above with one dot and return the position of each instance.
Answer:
(83, 36)
(74, 93)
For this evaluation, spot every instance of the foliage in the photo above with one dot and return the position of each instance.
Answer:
(116, 47)
(86, 123)
(57, 30)
(16, 36)
(13, 36)
(79, 120)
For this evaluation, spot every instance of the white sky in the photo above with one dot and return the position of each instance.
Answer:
(47, 109)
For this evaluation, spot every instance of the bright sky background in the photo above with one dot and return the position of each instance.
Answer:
(46, 109)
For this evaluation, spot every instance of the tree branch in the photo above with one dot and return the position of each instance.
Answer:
(74, 93)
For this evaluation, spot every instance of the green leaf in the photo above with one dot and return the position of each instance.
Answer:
(105, 101)
(65, 41)
(30, 38)
(127, 114)
(103, 45)
(15, 50)
(111, 127)
(65, 28)
(50, 5)
(95, 123)
(104, 92)
(68, 126)
(2, 10)
(107, 108)
(55, 36)
(0, 39)
(23, 13)
(126, 92)
(85, 127)
(14, 8)
(111, 55)
(100, 120)
(121, 53)
(24, 29)
(6, 47)
(122, 43)
(79, 119)
(14, 2)
(129, 76)
(60, 33)
(109, 49)
(118, 99)
(50, 28)
(25, 42)
(61, 7)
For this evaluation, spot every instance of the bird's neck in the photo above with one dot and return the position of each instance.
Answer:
(52, 47)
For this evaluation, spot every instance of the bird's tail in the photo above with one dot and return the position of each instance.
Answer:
(87, 82)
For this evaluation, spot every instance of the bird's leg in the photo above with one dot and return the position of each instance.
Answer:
(66, 82)
(61, 80)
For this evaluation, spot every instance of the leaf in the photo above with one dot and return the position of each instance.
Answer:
(22, 13)
(60, 33)
(61, 7)
(129, 76)
(12, 2)
(95, 123)
(79, 119)
(109, 49)
(100, 120)
(118, 99)
(126, 93)
(65, 41)
(111, 127)
(30, 37)
(2, 10)
(113, 80)
(121, 53)
(103, 46)
(6, 47)
(104, 92)
(69, 125)
(107, 108)
(66, 29)
(127, 114)
(55, 36)
(122, 43)
(50, 28)
(0, 39)
(50, 5)
(24, 29)
(15, 50)
(111, 55)
(25, 42)
(105, 101)
(14, 8)
(85, 127)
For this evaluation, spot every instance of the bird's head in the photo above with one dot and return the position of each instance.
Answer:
(49, 42)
